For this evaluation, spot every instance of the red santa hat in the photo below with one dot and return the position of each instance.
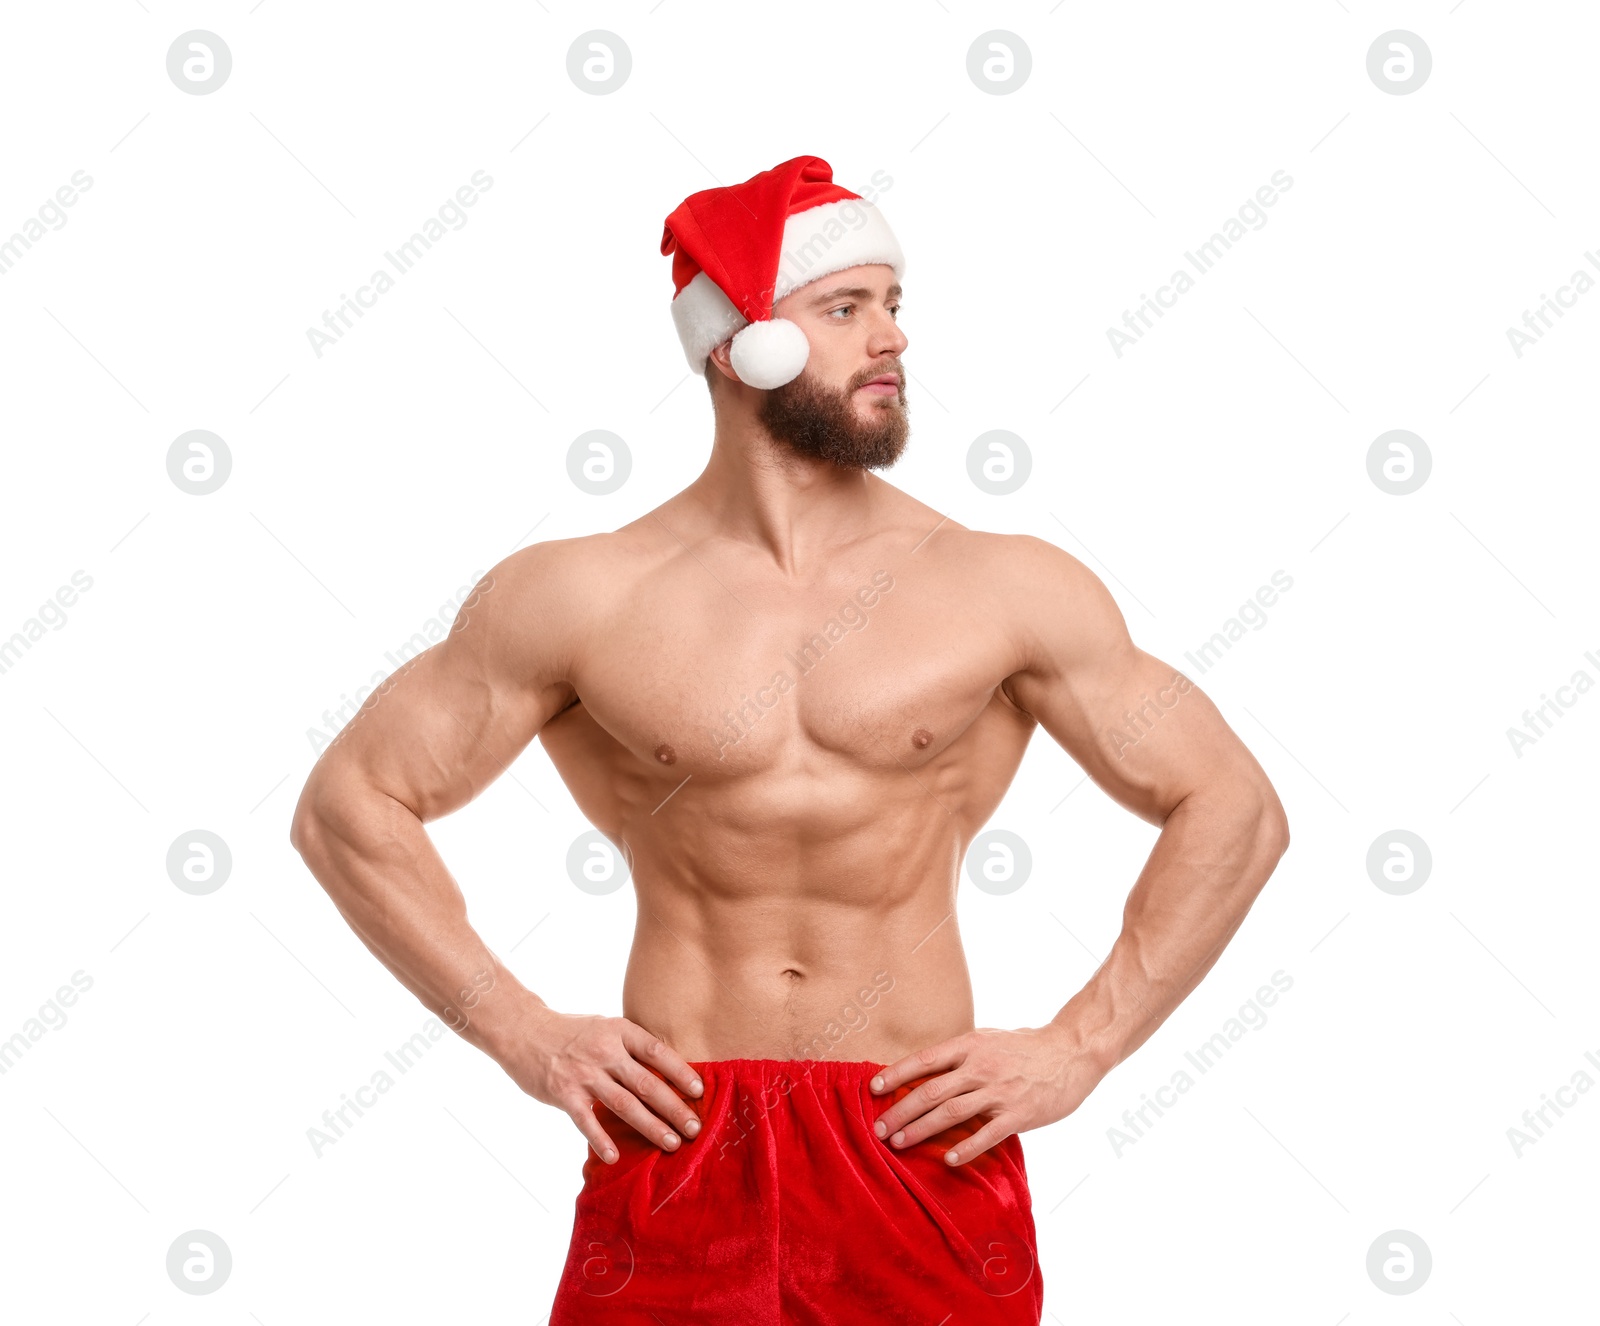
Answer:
(737, 250)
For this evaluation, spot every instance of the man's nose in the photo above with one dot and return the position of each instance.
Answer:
(887, 337)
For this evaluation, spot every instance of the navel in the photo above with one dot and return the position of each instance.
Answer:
(921, 738)
(665, 754)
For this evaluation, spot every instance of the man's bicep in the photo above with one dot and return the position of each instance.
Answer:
(447, 723)
(1140, 728)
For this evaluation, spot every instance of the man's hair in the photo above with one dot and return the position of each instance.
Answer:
(710, 375)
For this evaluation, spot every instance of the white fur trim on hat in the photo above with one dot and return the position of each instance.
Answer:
(816, 243)
(705, 318)
(830, 237)
(768, 354)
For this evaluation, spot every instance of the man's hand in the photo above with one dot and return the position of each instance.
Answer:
(1017, 1080)
(572, 1060)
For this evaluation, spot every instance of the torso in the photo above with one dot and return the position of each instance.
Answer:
(795, 820)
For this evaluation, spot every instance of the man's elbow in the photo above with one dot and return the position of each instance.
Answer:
(1272, 827)
(309, 824)
(340, 811)
(303, 824)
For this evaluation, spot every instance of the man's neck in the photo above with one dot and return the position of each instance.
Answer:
(794, 509)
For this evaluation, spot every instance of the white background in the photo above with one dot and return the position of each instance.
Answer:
(370, 482)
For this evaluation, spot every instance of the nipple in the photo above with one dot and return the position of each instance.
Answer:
(921, 737)
(666, 754)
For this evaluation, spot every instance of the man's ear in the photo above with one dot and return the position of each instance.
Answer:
(719, 361)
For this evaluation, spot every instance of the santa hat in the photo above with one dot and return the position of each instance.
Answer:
(737, 250)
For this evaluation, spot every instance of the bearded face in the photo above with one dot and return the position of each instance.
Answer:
(854, 426)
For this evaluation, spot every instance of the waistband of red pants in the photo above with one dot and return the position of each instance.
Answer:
(847, 1069)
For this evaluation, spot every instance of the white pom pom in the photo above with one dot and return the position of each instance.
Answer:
(769, 354)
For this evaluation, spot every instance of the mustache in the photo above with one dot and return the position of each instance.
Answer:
(899, 373)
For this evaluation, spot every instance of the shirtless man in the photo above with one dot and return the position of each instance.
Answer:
(793, 694)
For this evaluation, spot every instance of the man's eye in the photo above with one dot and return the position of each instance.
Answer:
(843, 309)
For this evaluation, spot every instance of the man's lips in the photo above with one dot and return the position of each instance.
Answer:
(886, 384)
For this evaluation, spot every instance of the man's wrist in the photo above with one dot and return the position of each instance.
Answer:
(1083, 1045)
(499, 1026)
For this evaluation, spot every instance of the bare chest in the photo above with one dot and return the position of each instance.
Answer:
(878, 670)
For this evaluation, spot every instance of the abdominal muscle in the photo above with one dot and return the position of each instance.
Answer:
(777, 950)
(736, 993)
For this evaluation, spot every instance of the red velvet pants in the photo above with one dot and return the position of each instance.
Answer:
(787, 1208)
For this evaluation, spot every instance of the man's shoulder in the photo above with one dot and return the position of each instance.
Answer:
(1010, 563)
(1049, 604)
(585, 579)
(564, 562)
(1008, 569)
(534, 612)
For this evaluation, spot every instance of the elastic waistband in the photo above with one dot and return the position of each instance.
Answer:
(827, 1069)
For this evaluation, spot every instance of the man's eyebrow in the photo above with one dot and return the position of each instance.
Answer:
(853, 292)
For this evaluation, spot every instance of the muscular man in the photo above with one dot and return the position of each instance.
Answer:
(792, 695)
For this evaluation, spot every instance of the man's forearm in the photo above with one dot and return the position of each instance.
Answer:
(1205, 871)
(374, 858)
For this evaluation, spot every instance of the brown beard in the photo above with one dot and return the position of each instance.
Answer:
(820, 421)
